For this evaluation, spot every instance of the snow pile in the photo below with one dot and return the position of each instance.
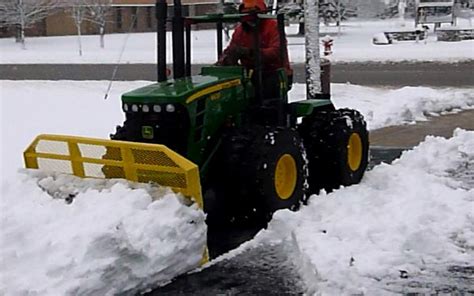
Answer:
(108, 239)
(402, 220)
(383, 107)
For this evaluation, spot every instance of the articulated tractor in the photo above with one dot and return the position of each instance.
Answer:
(216, 138)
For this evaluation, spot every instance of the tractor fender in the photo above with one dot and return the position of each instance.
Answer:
(306, 107)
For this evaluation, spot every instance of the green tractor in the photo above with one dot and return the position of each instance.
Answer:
(255, 154)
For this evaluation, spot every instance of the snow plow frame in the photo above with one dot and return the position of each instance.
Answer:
(139, 162)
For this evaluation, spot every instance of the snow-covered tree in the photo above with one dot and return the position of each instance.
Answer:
(393, 8)
(24, 13)
(78, 14)
(98, 12)
(330, 11)
(335, 11)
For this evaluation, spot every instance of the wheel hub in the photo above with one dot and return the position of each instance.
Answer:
(285, 176)
(354, 152)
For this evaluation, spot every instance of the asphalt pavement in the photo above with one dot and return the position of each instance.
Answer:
(372, 74)
(407, 136)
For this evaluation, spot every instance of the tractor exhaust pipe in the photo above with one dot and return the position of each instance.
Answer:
(161, 11)
(178, 41)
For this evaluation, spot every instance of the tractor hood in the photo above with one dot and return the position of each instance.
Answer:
(186, 90)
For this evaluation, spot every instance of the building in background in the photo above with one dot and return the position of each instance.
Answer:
(122, 16)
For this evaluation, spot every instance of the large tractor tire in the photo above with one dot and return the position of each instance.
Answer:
(337, 146)
(262, 169)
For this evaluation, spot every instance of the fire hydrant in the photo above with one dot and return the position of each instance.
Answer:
(327, 43)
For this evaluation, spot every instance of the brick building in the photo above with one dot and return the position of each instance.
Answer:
(123, 16)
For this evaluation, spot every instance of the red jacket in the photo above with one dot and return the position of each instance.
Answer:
(270, 46)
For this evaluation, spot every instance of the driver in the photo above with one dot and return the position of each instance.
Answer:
(241, 46)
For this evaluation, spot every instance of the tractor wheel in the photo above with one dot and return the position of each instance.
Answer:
(266, 171)
(337, 145)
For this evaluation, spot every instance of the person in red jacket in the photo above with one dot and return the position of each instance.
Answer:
(242, 44)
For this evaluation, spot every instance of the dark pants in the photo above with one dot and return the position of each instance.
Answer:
(269, 108)
(270, 85)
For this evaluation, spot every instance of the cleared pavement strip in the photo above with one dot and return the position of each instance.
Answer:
(392, 74)
(407, 136)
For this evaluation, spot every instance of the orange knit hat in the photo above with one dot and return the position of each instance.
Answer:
(253, 4)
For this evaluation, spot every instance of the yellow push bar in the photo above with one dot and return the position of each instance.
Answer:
(97, 158)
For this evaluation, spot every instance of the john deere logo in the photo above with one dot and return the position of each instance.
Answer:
(147, 132)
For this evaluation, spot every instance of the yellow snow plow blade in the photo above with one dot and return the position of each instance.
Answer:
(97, 158)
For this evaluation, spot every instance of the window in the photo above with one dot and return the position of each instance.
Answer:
(118, 16)
(134, 17)
(149, 17)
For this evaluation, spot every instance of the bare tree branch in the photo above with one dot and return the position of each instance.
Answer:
(27, 12)
(24, 13)
(98, 12)
(78, 12)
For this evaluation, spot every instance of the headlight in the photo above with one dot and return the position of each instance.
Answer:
(170, 108)
(157, 108)
(145, 108)
(125, 107)
(134, 108)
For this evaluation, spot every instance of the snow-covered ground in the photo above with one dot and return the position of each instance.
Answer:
(383, 107)
(405, 216)
(353, 45)
(408, 220)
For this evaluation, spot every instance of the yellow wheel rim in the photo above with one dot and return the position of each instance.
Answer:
(285, 176)
(354, 152)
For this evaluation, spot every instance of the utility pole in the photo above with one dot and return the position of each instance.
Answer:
(313, 60)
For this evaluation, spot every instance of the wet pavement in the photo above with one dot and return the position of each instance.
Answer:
(412, 134)
(265, 270)
(436, 280)
(373, 74)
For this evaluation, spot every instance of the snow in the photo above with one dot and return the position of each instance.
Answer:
(51, 247)
(402, 221)
(30, 108)
(383, 107)
(368, 233)
(353, 44)
(406, 216)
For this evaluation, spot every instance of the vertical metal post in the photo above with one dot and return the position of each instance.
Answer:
(258, 61)
(188, 49)
(313, 63)
(178, 41)
(281, 32)
(161, 10)
(219, 38)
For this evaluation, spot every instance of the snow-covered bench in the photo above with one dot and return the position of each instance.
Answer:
(455, 34)
(405, 35)
(408, 35)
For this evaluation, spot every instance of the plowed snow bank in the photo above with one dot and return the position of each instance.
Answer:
(112, 238)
